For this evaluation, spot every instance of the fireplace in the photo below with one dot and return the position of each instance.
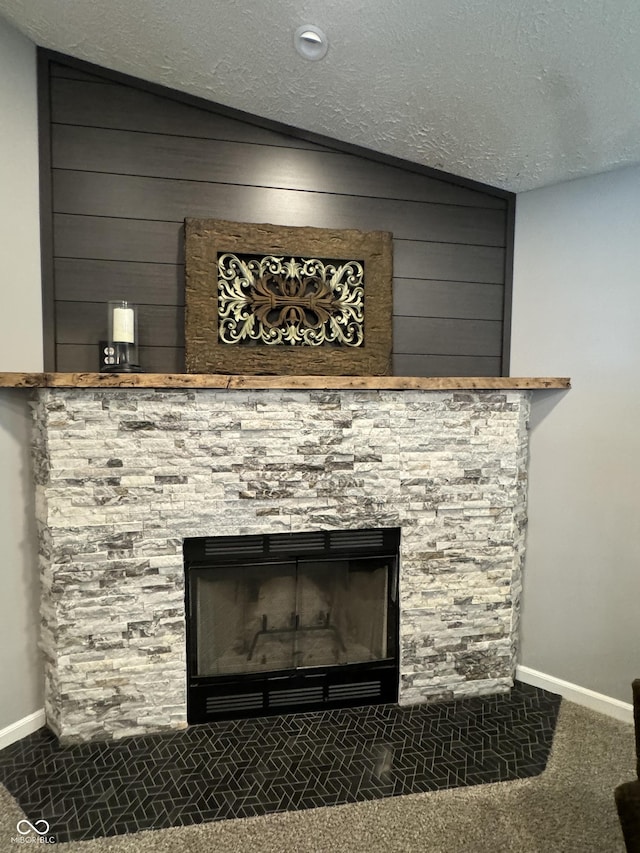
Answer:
(125, 476)
(281, 622)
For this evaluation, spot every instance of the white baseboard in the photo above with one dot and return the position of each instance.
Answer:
(22, 728)
(580, 695)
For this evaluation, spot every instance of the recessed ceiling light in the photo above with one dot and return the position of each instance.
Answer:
(310, 42)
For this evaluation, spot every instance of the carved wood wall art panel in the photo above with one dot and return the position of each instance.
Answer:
(287, 300)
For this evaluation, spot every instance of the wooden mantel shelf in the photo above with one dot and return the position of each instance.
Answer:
(216, 380)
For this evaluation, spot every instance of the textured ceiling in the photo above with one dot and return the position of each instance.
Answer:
(514, 93)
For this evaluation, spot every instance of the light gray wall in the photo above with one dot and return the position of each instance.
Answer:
(20, 349)
(577, 313)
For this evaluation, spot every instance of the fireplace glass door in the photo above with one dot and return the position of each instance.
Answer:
(277, 622)
(290, 615)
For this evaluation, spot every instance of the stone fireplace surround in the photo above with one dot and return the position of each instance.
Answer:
(124, 474)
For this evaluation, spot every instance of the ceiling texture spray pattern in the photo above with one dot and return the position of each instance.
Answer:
(515, 93)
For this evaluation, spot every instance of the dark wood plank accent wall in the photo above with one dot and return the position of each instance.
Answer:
(128, 162)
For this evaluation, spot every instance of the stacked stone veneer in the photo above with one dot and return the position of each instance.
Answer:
(123, 476)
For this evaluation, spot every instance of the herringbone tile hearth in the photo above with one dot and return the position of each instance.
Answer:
(249, 767)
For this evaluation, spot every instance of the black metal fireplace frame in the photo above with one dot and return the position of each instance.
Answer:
(302, 689)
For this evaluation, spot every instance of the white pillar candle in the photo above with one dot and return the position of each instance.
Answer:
(123, 330)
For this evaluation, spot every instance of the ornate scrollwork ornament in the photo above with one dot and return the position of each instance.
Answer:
(297, 301)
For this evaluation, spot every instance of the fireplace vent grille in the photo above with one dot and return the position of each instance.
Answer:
(235, 702)
(224, 548)
(233, 546)
(288, 543)
(213, 704)
(369, 540)
(365, 690)
(299, 696)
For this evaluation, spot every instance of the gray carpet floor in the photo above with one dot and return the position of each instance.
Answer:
(567, 809)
